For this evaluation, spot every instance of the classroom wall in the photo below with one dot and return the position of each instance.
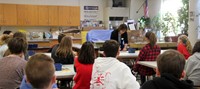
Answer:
(193, 25)
(153, 5)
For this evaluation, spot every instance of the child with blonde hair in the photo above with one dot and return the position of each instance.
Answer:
(4, 40)
(184, 46)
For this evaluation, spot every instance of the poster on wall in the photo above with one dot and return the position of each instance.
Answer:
(91, 12)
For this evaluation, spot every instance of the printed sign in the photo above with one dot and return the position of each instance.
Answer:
(91, 12)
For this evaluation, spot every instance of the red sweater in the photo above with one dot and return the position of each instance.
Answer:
(183, 50)
(83, 75)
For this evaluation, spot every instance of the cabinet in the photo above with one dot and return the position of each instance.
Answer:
(53, 15)
(39, 15)
(1, 14)
(64, 16)
(69, 16)
(8, 14)
(48, 15)
(27, 15)
(43, 12)
(74, 16)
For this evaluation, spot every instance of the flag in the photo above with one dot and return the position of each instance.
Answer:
(146, 10)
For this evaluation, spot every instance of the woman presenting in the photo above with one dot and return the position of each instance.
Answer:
(120, 35)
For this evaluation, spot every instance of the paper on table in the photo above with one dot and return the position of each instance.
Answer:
(63, 72)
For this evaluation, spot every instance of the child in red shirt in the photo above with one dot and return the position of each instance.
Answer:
(83, 66)
(184, 46)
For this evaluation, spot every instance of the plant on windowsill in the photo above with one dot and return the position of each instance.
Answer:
(183, 14)
(167, 24)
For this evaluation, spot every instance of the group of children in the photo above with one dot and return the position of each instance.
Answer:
(103, 72)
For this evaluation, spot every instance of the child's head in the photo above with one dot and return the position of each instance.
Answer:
(87, 53)
(151, 37)
(5, 38)
(122, 28)
(196, 47)
(184, 39)
(40, 71)
(60, 36)
(19, 35)
(65, 47)
(111, 48)
(8, 32)
(171, 62)
(17, 45)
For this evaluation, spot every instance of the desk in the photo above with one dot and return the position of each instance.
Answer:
(127, 55)
(77, 48)
(163, 45)
(67, 72)
(150, 64)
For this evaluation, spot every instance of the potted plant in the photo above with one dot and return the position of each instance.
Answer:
(156, 24)
(145, 22)
(169, 25)
(183, 16)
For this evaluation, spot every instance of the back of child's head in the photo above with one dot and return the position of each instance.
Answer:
(40, 71)
(7, 32)
(110, 48)
(184, 39)
(5, 38)
(87, 53)
(60, 36)
(171, 62)
(65, 47)
(151, 37)
(19, 35)
(196, 47)
(17, 45)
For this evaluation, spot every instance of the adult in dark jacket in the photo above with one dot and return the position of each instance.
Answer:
(120, 35)
(170, 69)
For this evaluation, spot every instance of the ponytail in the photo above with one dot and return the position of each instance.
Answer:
(186, 42)
(152, 38)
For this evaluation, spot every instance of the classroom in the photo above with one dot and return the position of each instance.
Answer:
(99, 44)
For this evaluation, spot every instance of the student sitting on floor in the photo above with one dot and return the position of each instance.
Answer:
(110, 73)
(40, 71)
(83, 65)
(170, 71)
(192, 67)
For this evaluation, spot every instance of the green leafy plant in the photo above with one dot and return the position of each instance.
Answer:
(145, 22)
(156, 23)
(169, 24)
(183, 14)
